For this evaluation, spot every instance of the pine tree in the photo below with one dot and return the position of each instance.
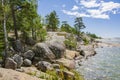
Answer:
(79, 25)
(52, 21)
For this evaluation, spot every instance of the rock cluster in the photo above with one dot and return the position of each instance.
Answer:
(47, 56)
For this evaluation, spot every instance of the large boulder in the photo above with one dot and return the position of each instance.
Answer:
(70, 64)
(44, 66)
(87, 54)
(17, 46)
(10, 64)
(87, 50)
(29, 54)
(30, 41)
(42, 50)
(57, 48)
(18, 59)
(27, 62)
(71, 54)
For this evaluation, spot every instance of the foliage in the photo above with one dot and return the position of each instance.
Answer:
(92, 35)
(41, 34)
(77, 75)
(1, 41)
(53, 74)
(79, 25)
(86, 42)
(70, 43)
(52, 21)
(67, 28)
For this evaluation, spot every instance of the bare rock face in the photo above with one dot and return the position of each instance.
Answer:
(10, 64)
(57, 48)
(29, 55)
(8, 74)
(44, 66)
(18, 59)
(41, 50)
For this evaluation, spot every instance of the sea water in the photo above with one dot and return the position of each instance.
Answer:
(105, 65)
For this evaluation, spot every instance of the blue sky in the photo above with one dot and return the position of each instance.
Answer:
(101, 17)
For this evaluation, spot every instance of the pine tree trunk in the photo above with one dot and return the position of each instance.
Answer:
(5, 36)
(14, 22)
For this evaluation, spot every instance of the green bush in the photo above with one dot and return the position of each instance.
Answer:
(86, 42)
(77, 75)
(70, 44)
(41, 35)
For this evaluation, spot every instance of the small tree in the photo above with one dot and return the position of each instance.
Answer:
(79, 25)
(52, 21)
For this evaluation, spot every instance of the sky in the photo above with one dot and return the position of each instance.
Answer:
(101, 17)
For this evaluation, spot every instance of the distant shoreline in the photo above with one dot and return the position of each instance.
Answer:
(101, 43)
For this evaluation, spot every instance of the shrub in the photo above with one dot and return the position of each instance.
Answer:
(77, 75)
(70, 44)
(86, 42)
(41, 34)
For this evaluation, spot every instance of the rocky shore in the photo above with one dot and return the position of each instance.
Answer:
(49, 60)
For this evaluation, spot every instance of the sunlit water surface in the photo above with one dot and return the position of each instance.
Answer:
(105, 65)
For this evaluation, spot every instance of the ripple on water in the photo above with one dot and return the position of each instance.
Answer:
(103, 66)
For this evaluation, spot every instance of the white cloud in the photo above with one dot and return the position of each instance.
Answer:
(94, 9)
(89, 3)
(75, 8)
(109, 6)
(77, 14)
(63, 5)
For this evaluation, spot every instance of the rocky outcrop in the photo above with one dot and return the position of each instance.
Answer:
(87, 50)
(44, 66)
(57, 48)
(42, 51)
(18, 59)
(10, 64)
